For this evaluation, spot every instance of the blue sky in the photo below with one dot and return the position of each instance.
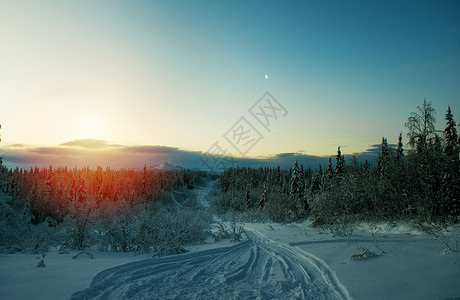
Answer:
(180, 74)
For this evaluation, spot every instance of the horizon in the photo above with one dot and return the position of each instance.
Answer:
(147, 83)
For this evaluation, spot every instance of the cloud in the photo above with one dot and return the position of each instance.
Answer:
(150, 149)
(287, 155)
(88, 143)
(54, 150)
(92, 152)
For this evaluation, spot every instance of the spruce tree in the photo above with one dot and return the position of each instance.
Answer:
(340, 165)
(296, 188)
(451, 179)
(330, 170)
(248, 199)
(296, 200)
(263, 197)
(451, 148)
(384, 158)
(144, 182)
(400, 149)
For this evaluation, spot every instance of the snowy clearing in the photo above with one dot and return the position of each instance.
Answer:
(254, 268)
(273, 261)
(62, 276)
(414, 265)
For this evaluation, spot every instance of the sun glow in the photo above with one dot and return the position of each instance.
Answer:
(89, 126)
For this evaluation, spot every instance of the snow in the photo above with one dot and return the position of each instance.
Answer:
(254, 268)
(62, 276)
(273, 260)
(413, 266)
(203, 192)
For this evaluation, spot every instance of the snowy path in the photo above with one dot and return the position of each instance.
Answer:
(255, 268)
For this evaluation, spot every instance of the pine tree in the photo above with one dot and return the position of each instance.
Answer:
(330, 170)
(48, 190)
(451, 148)
(296, 185)
(400, 149)
(451, 179)
(315, 186)
(144, 182)
(384, 158)
(340, 165)
(263, 197)
(248, 199)
(296, 199)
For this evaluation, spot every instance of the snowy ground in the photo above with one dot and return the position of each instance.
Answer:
(62, 276)
(256, 268)
(414, 265)
(274, 260)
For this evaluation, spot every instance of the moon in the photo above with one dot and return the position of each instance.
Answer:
(266, 76)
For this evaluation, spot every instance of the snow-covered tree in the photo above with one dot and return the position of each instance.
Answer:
(451, 179)
(248, 199)
(400, 149)
(297, 202)
(340, 165)
(330, 170)
(383, 163)
(421, 125)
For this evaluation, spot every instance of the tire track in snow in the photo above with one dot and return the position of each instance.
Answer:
(257, 268)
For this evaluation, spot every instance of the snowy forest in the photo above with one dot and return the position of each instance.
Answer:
(418, 183)
(417, 180)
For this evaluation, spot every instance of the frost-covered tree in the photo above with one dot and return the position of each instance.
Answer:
(297, 202)
(400, 149)
(421, 125)
(248, 199)
(296, 184)
(340, 165)
(383, 163)
(144, 181)
(263, 197)
(330, 170)
(451, 179)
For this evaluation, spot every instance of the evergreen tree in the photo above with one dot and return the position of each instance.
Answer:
(296, 186)
(263, 197)
(144, 182)
(340, 165)
(3, 170)
(451, 148)
(330, 170)
(315, 186)
(451, 179)
(400, 149)
(248, 199)
(384, 158)
(296, 200)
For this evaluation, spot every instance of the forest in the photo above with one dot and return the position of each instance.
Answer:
(156, 210)
(419, 183)
(113, 210)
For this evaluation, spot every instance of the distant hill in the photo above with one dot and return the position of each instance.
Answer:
(166, 166)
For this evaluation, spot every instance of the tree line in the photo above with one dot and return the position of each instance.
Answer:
(422, 181)
(113, 210)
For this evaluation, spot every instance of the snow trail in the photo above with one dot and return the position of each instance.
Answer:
(257, 268)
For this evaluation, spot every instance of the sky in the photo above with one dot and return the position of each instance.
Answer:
(189, 75)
